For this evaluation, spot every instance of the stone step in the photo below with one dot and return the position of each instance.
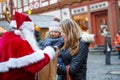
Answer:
(101, 51)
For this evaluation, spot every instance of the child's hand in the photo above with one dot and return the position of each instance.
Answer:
(60, 43)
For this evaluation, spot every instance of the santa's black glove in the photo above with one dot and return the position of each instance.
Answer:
(54, 47)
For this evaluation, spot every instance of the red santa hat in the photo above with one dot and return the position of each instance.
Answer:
(21, 21)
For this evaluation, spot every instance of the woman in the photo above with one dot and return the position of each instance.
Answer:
(74, 52)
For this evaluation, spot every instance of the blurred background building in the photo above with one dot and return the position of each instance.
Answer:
(91, 13)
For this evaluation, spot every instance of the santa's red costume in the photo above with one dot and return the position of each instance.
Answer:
(20, 57)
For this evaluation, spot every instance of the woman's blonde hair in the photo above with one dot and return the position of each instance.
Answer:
(72, 33)
(83, 27)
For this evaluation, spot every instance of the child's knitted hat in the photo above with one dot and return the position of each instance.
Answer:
(54, 25)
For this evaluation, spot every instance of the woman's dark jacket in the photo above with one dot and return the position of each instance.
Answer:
(78, 62)
(107, 44)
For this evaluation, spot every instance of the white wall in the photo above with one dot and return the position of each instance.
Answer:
(61, 13)
(54, 13)
(65, 13)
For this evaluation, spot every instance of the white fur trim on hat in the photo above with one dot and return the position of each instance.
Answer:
(17, 32)
(25, 25)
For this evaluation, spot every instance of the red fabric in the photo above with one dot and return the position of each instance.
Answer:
(25, 73)
(12, 46)
(20, 18)
(117, 41)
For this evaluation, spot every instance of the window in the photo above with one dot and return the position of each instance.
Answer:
(30, 1)
(19, 3)
(25, 2)
(81, 19)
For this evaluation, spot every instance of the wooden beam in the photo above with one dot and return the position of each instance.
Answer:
(56, 6)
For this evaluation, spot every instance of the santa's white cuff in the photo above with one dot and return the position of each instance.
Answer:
(50, 51)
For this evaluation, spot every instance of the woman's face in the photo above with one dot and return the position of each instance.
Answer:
(63, 34)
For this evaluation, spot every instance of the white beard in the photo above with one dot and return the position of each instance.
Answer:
(28, 35)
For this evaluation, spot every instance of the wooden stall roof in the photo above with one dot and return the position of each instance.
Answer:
(42, 21)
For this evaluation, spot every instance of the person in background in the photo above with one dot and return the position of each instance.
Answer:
(74, 52)
(103, 28)
(117, 43)
(108, 49)
(53, 38)
(20, 57)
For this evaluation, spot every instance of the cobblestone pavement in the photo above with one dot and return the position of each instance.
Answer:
(97, 70)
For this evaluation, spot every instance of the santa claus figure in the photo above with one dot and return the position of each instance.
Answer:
(20, 57)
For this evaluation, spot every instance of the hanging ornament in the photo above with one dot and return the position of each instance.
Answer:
(29, 12)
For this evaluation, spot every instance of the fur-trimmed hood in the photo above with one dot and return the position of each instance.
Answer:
(87, 37)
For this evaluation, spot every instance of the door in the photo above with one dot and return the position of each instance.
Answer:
(100, 18)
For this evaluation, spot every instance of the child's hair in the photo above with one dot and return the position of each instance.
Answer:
(56, 19)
